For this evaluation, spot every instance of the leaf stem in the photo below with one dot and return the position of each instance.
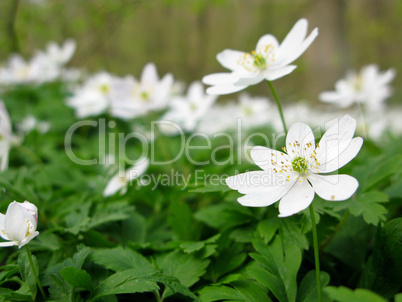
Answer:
(278, 104)
(34, 271)
(316, 255)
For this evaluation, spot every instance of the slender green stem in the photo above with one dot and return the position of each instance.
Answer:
(34, 271)
(316, 255)
(278, 104)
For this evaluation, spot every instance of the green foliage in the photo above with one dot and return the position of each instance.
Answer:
(343, 294)
(278, 268)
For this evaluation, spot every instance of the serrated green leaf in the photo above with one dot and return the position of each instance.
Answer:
(267, 228)
(344, 294)
(26, 272)
(181, 219)
(383, 270)
(120, 259)
(308, 287)
(128, 281)
(280, 268)
(224, 216)
(138, 280)
(367, 205)
(386, 168)
(245, 291)
(186, 268)
(76, 278)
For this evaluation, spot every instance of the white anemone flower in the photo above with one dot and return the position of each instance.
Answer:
(292, 176)
(187, 111)
(269, 61)
(120, 183)
(19, 224)
(369, 87)
(132, 98)
(93, 98)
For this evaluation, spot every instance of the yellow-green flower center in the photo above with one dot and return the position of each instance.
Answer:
(299, 164)
(104, 88)
(259, 61)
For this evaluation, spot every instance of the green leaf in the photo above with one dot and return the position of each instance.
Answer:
(27, 273)
(224, 215)
(267, 228)
(245, 291)
(291, 234)
(308, 287)
(279, 268)
(386, 168)
(367, 205)
(181, 219)
(398, 298)
(76, 278)
(186, 268)
(111, 212)
(228, 260)
(344, 294)
(128, 281)
(138, 280)
(383, 271)
(120, 259)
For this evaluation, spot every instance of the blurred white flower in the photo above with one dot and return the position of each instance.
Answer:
(93, 97)
(6, 136)
(132, 98)
(187, 111)
(369, 87)
(30, 123)
(19, 224)
(249, 112)
(269, 61)
(45, 66)
(117, 183)
(60, 55)
(294, 177)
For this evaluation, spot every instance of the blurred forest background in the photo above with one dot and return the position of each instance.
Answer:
(184, 36)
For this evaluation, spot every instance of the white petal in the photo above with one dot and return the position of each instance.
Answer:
(345, 156)
(137, 169)
(224, 89)
(266, 198)
(247, 81)
(115, 184)
(27, 239)
(336, 147)
(299, 133)
(2, 227)
(294, 38)
(263, 157)
(10, 243)
(149, 75)
(298, 198)
(219, 78)
(229, 58)
(289, 58)
(257, 182)
(267, 40)
(273, 74)
(333, 187)
(15, 222)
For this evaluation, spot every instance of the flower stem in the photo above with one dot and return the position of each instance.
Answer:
(316, 255)
(278, 104)
(34, 271)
